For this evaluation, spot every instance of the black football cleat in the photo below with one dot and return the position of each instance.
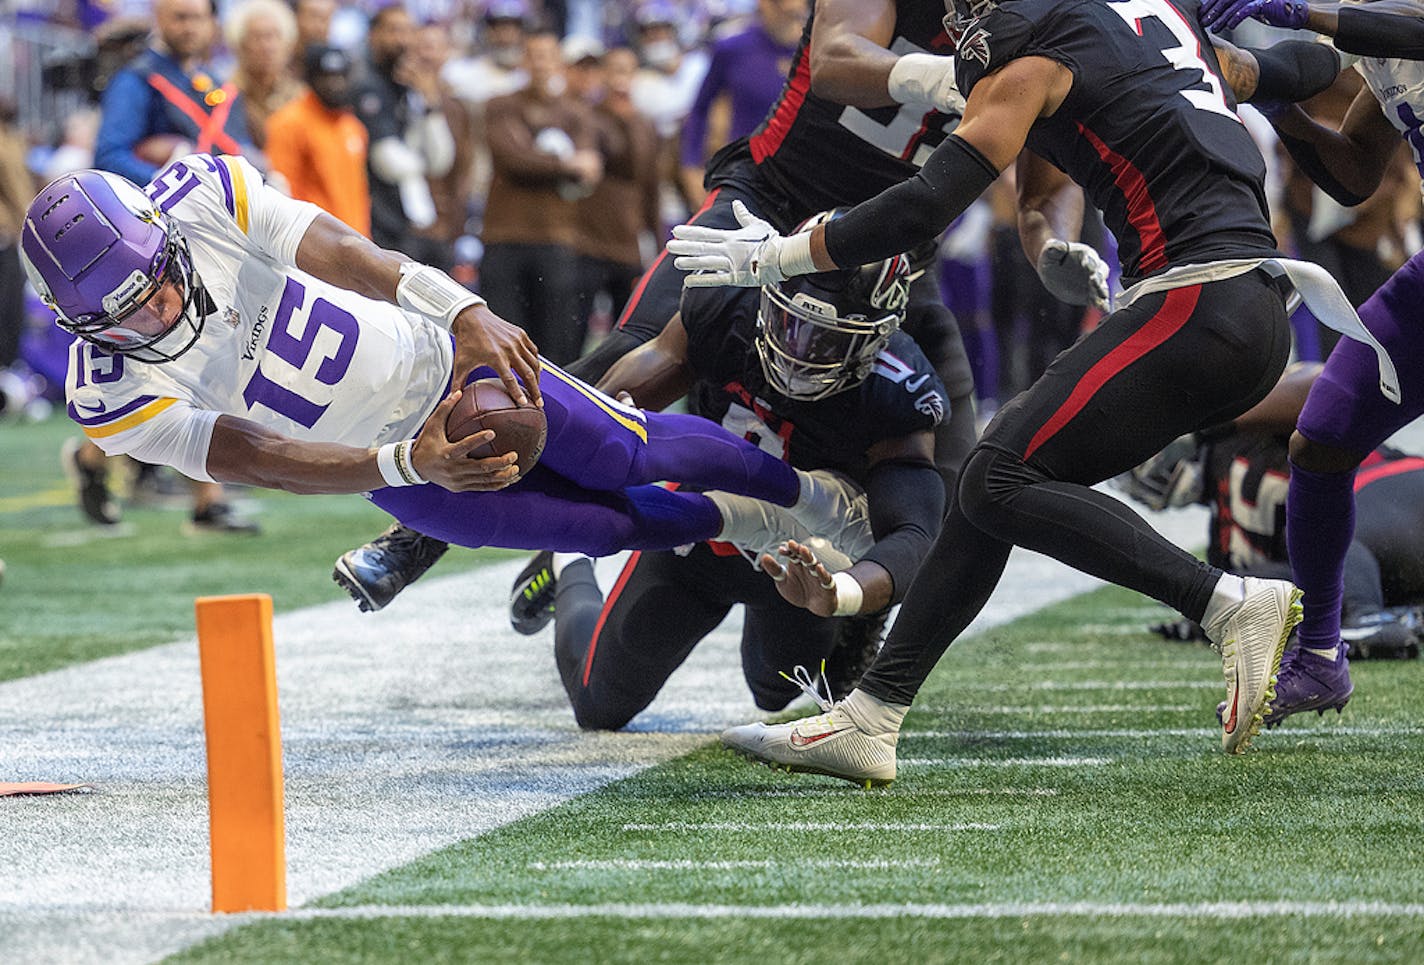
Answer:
(1392, 633)
(857, 641)
(375, 574)
(95, 499)
(531, 599)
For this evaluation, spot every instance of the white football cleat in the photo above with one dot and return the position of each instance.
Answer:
(1251, 637)
(832, 743)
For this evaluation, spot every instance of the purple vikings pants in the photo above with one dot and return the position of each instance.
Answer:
(591, 491)
(1346, 411)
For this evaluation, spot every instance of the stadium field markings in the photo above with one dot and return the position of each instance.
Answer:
(685, 864)
(1343, 730)
(1090, 685)
(1006, 761)
(1018, 710)
(758, 826)
(841, 792)
(1217, 910)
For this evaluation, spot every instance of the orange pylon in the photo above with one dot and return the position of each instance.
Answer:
(247, 830)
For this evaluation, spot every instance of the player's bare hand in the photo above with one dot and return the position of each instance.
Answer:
(483, 338)
(801, 579)
(448, 464)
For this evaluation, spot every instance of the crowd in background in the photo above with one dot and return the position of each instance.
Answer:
(536, 150)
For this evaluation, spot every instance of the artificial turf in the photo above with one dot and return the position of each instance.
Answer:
(1064, 758)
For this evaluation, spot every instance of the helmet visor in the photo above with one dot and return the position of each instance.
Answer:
(809, 352)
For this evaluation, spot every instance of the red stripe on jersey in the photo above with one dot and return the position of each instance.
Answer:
(637, 295)
(1175, 310)
(603, 614)
(767, 141)
(1387, 469)
(1141, 212)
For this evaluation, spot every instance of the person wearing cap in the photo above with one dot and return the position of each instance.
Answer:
(319, 145)
(498, 67)
(665, 88)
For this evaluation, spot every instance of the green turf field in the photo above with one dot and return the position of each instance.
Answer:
(1061, 798)
(74, 591)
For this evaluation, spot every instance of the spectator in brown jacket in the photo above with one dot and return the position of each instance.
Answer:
(618, 223)
(541, 145)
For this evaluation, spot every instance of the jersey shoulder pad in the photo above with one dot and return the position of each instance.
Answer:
(108, 394)
(1009, 31)
(212, 193)
(903, 393)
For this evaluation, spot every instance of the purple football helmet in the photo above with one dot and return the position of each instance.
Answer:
(820, 334)
(98, 251)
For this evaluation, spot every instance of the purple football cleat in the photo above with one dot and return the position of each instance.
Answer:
(1307, 682)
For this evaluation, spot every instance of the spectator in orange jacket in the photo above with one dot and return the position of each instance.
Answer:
(319, 145)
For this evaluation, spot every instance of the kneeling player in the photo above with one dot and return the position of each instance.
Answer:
(816, 372)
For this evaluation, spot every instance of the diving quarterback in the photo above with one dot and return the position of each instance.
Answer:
(238, 335)
(1131, 101)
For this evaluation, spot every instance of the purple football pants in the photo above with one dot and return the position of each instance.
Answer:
(1345, 410)
(591, 491)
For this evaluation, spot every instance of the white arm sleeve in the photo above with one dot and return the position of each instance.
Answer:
(177, 436)
(437, 143)
(393, 161)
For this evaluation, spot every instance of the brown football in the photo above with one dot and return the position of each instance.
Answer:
(517, 429)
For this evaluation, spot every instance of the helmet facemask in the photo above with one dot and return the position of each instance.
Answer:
(809, 351)
(107, 329)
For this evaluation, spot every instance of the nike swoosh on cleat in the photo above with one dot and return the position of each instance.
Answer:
(1229, 724)
(796, 740)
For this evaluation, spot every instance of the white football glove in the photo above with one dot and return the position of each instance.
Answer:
(926, 80)
(1074, 273)
(748, 257)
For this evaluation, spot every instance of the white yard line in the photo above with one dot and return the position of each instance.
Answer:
(1207, 910)
(403, 732)
(1344, 730)
(1006, 761)
(740, 827)
(629, 864)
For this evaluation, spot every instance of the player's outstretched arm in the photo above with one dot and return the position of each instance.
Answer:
(851, 62)
(244, 452)
(906, 507)
(1348, 163)
(1293, 70)
(1383, 28)
(337, 254)
(997, 118)
(656, 373)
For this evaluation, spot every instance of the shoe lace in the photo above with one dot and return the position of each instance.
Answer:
(817, 687)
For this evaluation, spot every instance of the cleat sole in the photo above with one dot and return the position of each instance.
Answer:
(343, 578)
(866, 783)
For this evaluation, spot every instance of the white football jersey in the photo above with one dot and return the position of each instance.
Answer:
(283, 349)
(1398, 85)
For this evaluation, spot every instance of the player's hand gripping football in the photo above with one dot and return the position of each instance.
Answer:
(1075, 274)
(747, 257)
(801, 579)
(448, 464)
(1228, 14)
(483, 338)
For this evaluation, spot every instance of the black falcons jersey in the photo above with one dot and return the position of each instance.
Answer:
(902, 395)
(817, 154)
(1149, 129)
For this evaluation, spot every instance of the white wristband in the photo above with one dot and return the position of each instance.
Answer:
(849, 595)
(794, 256)
(432, 293)
(397, 469)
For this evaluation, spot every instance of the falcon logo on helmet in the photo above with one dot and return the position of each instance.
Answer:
(819, 334)
(98, 252)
